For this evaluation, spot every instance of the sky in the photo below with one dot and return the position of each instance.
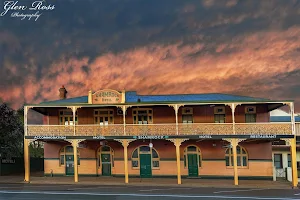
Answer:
(246, 47)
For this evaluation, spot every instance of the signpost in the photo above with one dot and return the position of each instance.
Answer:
(159, 137)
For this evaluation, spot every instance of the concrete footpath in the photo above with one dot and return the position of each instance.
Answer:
(213, 183)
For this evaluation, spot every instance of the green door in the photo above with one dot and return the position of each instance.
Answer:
(193, 165)
(145, 166)
(69, 164)
(106, 164)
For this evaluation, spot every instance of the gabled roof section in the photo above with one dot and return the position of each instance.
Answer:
(133, 97)
(75, 100)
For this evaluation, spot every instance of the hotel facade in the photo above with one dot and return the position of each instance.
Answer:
(118, 133)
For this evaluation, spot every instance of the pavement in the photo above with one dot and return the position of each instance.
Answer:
(18, 191)
(219, 183)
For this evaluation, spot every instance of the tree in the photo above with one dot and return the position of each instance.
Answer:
(35, 148)
(11, 132)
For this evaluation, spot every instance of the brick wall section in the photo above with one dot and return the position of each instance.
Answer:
(166, 114)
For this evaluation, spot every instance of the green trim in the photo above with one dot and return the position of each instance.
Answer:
(51, 158)
(88, 158)
(213, 159)
(260, 160)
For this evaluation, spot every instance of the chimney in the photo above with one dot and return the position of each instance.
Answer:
(62, 93)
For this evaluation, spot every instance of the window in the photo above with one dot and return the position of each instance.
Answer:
(219, 118)
(242, 157)
(250, 118)
(192, 150)
(250, 114)
(105, 154)
(187, 115)
(142, 116)
(219, 114)
(67, 151)
(144, 150)
(289, 160)
(66, 117)
(103, 116)
(278, 161)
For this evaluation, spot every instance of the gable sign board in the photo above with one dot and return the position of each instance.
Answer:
(107, 96)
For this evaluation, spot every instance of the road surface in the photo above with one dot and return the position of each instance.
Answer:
(93, 192)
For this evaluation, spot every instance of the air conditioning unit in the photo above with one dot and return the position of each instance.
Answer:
(250, 110)
(187, 110)
(219, 110)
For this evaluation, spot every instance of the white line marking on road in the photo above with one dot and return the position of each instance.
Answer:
(143, 195)
(149, 190)
(238, 190)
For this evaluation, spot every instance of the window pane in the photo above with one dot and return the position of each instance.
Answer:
(78, 160)
(238, 149)
(69, 149)
(96, 120)
(135, 163)
(112, 160)
(289, 160)
(105, 148)
(155, 163)
(244, 152)
(145, 148)
(135, 154)
(192, 148)
(199, 161)
(184, 160)
(239, 161)
(154, 154)
(62, 159)
(227, 160)
(227, 151)
(245, 161)
(277, 157)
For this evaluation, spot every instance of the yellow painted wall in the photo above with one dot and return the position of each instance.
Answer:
(212, 153)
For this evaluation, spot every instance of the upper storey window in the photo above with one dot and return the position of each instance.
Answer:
(250, 114)
(187, 115)
(104, 116)
(66, 117)
(219, 114)
(142, 116)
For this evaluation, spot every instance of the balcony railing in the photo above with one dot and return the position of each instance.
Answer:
(161, 129)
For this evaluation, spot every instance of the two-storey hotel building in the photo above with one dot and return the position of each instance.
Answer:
(118, 133)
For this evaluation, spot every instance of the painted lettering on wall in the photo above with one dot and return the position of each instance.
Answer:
(107, 97)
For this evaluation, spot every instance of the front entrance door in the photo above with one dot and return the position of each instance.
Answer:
(69, 164)
(145, 166)
(106, 164)
(193, 165)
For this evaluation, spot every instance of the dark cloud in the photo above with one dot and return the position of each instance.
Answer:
(160, 46)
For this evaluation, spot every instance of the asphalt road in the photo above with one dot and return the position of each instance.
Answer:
(93, 192)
